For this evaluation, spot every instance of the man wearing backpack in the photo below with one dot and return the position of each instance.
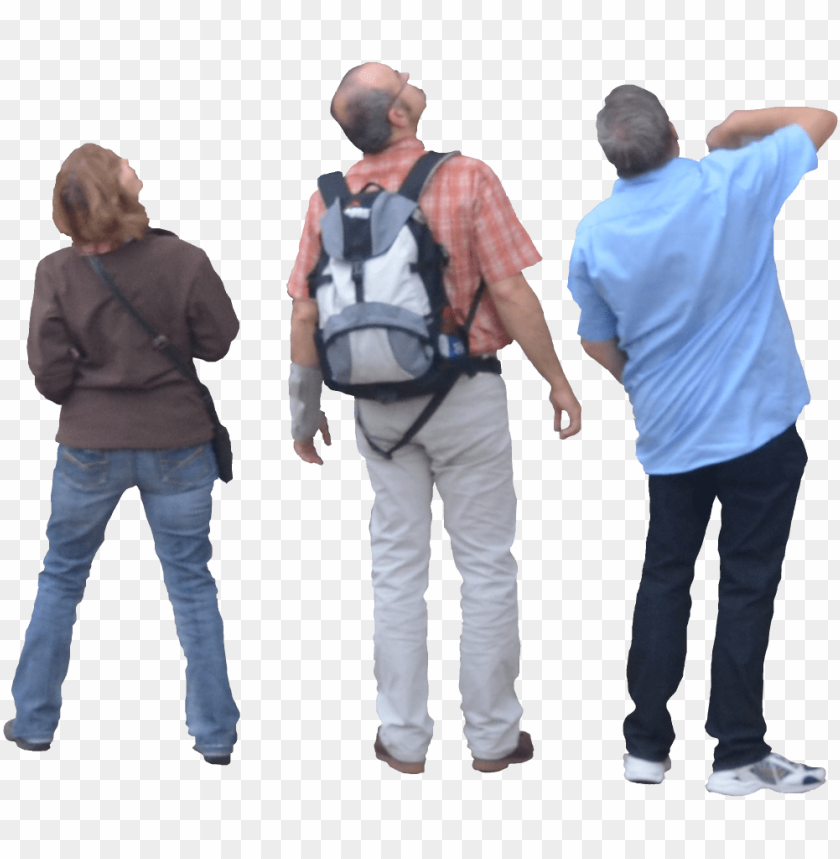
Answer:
(679, 298)
(463, 447)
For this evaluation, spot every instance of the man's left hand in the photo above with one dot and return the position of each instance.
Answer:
(563, 400)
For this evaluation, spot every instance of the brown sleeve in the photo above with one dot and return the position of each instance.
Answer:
(210, 314)
(52, 356)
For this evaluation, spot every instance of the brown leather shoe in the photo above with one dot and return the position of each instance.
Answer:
(523, 752)
(409, 767)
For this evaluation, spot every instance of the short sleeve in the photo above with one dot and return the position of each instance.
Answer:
(597, 321)
(309, 250)
(500, 243)
(771, 168)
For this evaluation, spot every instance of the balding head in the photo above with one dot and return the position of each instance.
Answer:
(375, 107)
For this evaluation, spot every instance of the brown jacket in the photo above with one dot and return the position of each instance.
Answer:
(87, 354)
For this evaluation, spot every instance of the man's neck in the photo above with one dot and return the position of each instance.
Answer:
(407, 139)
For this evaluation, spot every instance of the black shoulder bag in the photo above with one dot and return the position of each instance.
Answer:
(221, 437)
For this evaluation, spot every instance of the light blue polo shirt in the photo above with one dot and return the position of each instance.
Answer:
(678, 263)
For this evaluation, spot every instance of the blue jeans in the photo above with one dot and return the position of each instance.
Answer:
(175, 487)
(757, 493)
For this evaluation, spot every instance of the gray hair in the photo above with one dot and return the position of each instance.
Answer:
(633, 130)
(366, 124)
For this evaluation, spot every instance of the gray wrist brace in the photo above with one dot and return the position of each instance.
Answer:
(305, 400)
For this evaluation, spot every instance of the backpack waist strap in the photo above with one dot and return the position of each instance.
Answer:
(483, 364)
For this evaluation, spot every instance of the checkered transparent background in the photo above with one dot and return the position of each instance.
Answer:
(222, 107)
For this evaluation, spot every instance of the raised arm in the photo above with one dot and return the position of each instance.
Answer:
(819, 124)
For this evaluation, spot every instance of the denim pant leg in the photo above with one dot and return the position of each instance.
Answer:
(680, 507)
(87, 485)
(758, 495)
(175, 487)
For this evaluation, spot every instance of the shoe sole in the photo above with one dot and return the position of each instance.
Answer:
(492, 766)
(405, 767)
(751, 787)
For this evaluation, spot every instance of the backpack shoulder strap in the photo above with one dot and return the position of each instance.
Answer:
(332, 186)
(474, 306)
(422, 172)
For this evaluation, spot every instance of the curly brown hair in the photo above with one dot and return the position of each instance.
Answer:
(90, 204)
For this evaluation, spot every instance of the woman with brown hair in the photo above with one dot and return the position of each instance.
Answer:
(128, 417)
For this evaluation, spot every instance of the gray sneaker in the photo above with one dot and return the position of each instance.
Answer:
(773, 772)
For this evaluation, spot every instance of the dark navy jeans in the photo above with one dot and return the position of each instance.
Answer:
(175, 487)
(757, 493)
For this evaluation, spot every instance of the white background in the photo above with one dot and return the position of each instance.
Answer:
(223, 109)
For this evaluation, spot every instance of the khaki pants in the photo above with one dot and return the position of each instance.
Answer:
(465, 450)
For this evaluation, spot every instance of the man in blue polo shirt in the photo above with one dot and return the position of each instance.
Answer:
(679, 298)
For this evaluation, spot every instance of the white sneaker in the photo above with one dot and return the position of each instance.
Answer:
(645, 772)
(774, 772)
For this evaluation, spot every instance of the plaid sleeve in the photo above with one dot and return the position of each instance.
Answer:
(501, 245)
(309, 250)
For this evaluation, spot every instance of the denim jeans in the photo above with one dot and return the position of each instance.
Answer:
(175, 487)
(757, 493)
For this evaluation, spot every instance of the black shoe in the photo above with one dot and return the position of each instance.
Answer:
(218, 760)
(22, 744)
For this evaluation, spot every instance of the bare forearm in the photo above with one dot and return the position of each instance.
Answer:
(304, 322)
(819, 124)
(522, 316)
(608, 355)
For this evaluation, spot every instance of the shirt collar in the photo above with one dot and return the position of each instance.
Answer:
(645, 178)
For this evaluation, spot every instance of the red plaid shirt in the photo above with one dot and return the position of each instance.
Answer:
(468, 213)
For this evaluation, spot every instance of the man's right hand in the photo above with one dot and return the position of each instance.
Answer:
(818, 124)
(306, 449)
(562, 400)
(721, 136)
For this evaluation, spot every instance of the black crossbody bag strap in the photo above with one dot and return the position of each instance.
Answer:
(159, 341)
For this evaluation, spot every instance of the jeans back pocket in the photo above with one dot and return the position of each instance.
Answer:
(83, 468)
(183, 467)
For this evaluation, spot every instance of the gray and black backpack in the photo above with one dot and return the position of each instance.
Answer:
(386, 330)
